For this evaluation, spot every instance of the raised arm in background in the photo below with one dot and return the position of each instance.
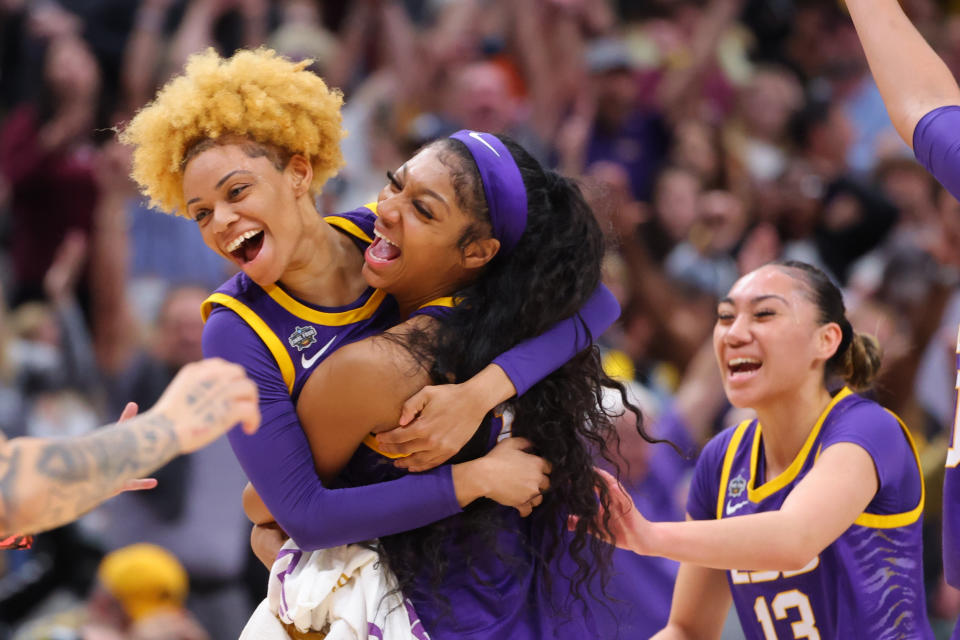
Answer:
(113, 323)
(59, 284)
(143, 54)
(912, 78)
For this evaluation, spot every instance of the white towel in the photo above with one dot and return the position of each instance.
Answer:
(343, 591)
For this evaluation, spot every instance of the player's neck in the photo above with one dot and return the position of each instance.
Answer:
(326, 267)
(787, 421)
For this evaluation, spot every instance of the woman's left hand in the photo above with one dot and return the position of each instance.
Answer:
(266, 540)
(435, 423)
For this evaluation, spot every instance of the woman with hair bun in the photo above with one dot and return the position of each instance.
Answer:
(810, 514)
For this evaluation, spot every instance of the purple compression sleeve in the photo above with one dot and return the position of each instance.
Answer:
(936, 144)
(278, 461)
(532, 360)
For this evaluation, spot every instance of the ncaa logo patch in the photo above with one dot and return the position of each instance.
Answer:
(737, 485)
(302, 337)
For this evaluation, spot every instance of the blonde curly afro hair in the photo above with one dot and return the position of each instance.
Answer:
(257, 95)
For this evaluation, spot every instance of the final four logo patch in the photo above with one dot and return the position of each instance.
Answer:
(302, 337)
(737, 485)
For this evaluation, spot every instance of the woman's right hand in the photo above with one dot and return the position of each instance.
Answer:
(627, 526)
(508, 474)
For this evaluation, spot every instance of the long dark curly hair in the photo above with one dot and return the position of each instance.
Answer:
(548, 276)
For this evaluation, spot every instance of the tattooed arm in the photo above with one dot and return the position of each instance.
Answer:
(45, 483)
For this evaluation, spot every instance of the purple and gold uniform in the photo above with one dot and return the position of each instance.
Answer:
(936, 143)
(868, 583)
(951, 497)
(279, 340)
(498, 594)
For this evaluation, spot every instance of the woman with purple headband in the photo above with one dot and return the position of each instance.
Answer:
(488, 572)
(480, 250)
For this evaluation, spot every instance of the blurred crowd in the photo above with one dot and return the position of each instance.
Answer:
(711, 136)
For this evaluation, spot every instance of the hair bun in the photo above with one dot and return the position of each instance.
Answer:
(862, 363)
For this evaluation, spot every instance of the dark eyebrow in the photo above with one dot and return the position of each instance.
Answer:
(429, 192)
(729, 300)
(220, 183)
(227, 177)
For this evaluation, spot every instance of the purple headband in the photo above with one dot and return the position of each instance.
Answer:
(502, 184)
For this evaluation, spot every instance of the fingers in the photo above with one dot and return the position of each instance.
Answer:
(527, 507)
(400, 435)
(544, 484)
(139, 484)
(413, 406)
(620, 500)
(520, 444)
(248, 415)
(128, 412)
(422, 461)
(136, 484)
(402, 448)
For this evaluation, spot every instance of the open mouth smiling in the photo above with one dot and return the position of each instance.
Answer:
(246, 247)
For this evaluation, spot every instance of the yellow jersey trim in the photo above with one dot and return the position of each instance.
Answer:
(261, 328)
(732, 447)
(371, 441)
(447, 301)
(326, 318)
(349, 226)
(372, 206)
(893, 520)
(790, 473)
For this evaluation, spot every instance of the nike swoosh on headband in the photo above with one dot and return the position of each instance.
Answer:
(477, 136)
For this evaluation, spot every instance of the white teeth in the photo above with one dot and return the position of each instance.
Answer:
(738, 361)
(384, 238)
(236, 242)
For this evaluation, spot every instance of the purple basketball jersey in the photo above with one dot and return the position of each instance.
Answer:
(869, 582)
(300, 336)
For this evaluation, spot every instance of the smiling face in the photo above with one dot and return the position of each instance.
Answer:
(246, 208)
(768, 339)
(416, 255)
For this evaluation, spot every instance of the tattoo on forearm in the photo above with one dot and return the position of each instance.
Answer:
(62, 480)
(9, 462)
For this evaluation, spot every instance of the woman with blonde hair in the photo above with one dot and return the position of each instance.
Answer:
(480, 250)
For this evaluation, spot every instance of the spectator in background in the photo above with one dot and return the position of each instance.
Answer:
(854, 216)
(622, 130)
(756, 137)
(706, 261)
(139, 595)
(49, 143)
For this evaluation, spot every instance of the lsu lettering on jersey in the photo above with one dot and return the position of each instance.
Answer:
(869, 582)
(951, 496)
